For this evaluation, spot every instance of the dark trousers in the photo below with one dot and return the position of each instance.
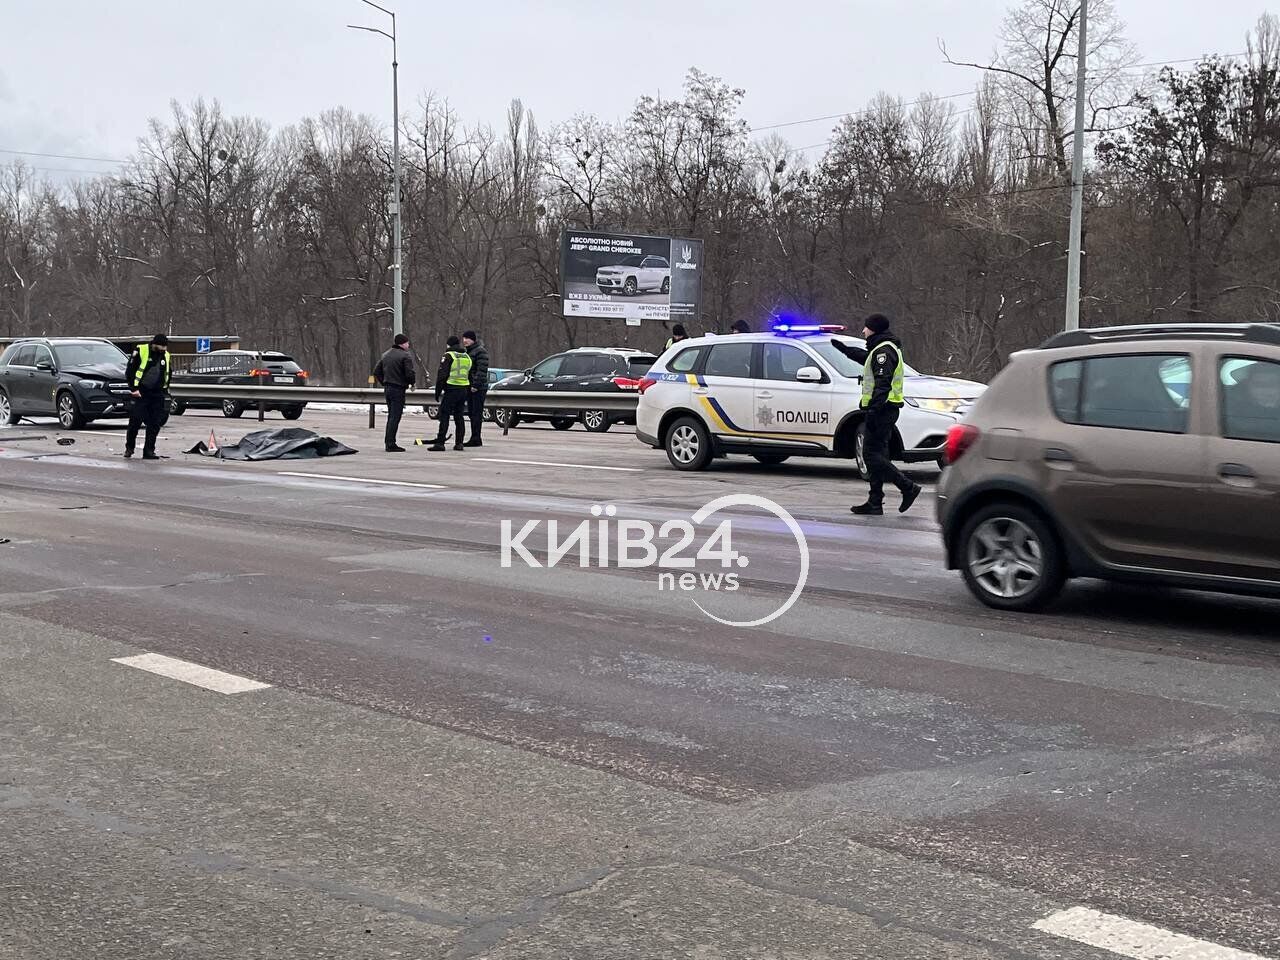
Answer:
(147, 409)
(475, 407)
(453, 404)
(879, 436)
(395, 410)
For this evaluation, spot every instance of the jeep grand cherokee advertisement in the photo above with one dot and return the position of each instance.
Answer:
(616, 275)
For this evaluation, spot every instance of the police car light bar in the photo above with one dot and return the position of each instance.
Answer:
(789, 328)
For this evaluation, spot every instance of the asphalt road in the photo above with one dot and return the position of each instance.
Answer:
(455, 759)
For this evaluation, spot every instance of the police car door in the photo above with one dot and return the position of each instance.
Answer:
(725, 392)
(789, 411)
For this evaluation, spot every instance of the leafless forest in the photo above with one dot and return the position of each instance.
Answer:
(948, 213)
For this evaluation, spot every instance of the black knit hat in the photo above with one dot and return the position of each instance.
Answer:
(453, 341)
(160, 340)
(400, 340)
(469, 335)
(877, 323)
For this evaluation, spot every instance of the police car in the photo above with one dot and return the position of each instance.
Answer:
(783, 394)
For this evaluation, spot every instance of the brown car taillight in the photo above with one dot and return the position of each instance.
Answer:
(959, 439)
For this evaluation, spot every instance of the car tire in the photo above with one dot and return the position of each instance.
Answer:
(432, 410)
(772, 459)
(666, 285)
(506, 418)
(1011, 557)
(486, 415)
(176, 407)
(630, 287)
(232, 409)
(596, 421)
(292, 413)
(7, 415)
(68, 410)
(562, 423)
(688, 444)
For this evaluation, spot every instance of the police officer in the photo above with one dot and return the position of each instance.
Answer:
(739, 326)
(453, 387)
(147, 374)
(882, 375)
(677, 334)
(396, 375)
(479, 383)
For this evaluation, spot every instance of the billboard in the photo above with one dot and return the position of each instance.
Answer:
(610, 275)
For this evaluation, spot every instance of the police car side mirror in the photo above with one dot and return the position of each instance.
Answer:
(809, 375)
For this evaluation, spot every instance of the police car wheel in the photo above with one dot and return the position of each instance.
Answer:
(562, 423)
(771, 459)
(1011, 558)
(596, 421)
(688, 445)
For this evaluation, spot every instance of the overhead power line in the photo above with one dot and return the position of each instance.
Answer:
(61, 156)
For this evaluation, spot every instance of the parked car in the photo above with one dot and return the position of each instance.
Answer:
(77, 380)
(582, 370)
(635, 275)
(786, 393)
(241, 368)
(1148, 454)
(496, 374)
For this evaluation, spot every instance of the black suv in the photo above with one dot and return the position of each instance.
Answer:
(248, 368)
(584, 370)
(77, 380)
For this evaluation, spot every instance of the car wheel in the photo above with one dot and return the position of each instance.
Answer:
(432, 410)
(176, 407)
(772, 459)
(666, 284)
(292, 413)
(562, 423)
(507, 419)
(486, 415)
(630, 287)
(6, 411)
(1011, 558)
(69, 415)
(688, 445)
(596, 421)
(232, 409)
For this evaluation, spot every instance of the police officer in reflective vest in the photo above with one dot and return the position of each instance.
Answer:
(882, 402)
(677, 334)
(147, 374)
(453, 387)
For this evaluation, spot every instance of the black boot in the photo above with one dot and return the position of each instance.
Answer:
(868, 509)
(909, 498)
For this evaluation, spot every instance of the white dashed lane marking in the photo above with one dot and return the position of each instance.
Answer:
(1129, 938)
(192, 673)
(381, 483)
(545, 463)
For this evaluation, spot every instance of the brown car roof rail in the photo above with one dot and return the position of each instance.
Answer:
(1248, 332)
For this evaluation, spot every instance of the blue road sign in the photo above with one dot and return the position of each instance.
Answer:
(204, 344)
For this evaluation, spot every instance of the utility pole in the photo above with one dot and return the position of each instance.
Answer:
(1077, 178)
(397, 296)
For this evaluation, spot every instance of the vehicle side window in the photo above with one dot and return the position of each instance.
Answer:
(1250, 399)
(685, 360)
(579, 365)
(550, 367)
(25, 357)
(729, 360)
(606, 365)
(782, 360)
(42, 356)
(1146, 391)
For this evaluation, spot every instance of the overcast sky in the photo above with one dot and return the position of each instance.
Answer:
(84, 76)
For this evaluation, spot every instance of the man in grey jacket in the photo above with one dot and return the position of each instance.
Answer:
(479, 383)
(395, 374)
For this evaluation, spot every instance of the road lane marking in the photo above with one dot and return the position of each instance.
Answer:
(545, 463)
(381, 483)
(1129, 938)
(192, 673)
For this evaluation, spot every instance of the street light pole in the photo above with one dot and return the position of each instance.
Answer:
(1077, 179)
(397, 293)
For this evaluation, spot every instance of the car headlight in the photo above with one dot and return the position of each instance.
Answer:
(87, 385)
(937, 404)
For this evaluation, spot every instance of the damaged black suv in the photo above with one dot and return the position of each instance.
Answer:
(77, 380)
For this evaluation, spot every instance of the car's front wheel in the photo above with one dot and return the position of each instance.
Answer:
(596, 421)
(1011, 557)
(6, 411)
(432, 410)
(688, 445)
(506, 418)
(292, 413)
(232, 409)
(69, 415)
(630, 287)
(176, 407)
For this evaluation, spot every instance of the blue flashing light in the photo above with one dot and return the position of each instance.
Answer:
(788, 328)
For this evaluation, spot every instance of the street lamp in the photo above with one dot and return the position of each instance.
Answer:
(1077, 178)
(396, 300)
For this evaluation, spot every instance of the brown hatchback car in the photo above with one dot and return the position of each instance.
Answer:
(1148, 454)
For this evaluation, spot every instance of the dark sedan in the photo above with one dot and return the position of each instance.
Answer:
(249, 368)
(76, 380)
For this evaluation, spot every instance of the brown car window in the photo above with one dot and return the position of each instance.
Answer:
(1250, 399)
(1141, 391)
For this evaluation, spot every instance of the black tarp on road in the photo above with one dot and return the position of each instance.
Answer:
(283, 443)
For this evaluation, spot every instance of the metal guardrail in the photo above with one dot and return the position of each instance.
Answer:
(259, 396)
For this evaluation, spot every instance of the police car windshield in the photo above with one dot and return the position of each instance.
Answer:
(846, 366)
